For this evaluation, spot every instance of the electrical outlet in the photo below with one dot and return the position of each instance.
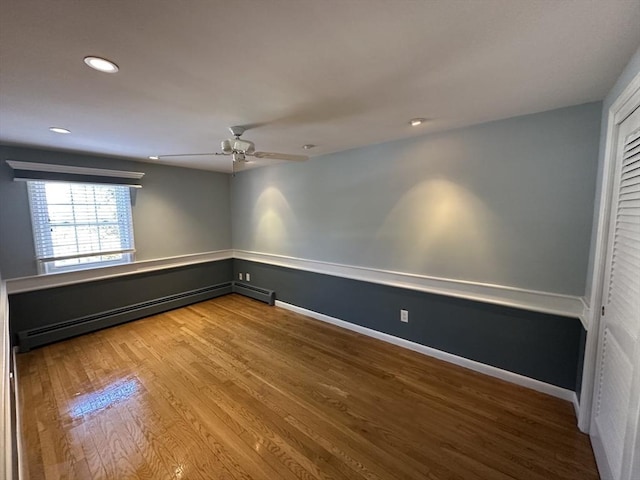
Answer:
(239, 276)
(248, 277)
(404, 316)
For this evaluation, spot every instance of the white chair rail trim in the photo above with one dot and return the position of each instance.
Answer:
(544, 302)
(39, 282)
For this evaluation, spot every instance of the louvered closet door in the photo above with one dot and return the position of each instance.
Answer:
(617, 400)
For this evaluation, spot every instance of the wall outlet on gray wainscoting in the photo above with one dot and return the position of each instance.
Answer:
(239, 276)
(248, 276)
(404, 316)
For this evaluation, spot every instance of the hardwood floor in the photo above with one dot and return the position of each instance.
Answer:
(234, 389)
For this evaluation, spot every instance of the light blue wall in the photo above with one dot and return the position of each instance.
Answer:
(630, 71)
(177, 212)
(507, 202)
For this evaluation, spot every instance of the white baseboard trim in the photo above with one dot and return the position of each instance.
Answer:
(544, 302)
(40, 282)
(511, 377)
(576, 405)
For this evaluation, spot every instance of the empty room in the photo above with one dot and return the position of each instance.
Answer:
(320, 239)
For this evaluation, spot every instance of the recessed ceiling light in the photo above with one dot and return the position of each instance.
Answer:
(308, 146)
(153, 157)
(101, 64)
(414, 122)
(59, 130)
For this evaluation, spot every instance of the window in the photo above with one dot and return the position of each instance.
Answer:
(78, 226)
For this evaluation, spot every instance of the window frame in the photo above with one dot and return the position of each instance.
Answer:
(47, 264)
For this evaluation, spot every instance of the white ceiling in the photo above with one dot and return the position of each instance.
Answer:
(335, 73)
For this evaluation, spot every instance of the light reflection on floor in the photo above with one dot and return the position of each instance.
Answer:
(104, 398)
(179, 471)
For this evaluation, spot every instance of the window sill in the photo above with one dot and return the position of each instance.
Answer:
(45, 268)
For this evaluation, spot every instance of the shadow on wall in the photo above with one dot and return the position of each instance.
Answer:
(434, 220)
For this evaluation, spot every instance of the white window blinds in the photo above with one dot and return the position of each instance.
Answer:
(79, 225)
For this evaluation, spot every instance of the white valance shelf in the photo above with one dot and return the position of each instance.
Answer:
(25, 171)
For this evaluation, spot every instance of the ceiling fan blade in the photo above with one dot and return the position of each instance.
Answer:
(280, 156)
(191, 154)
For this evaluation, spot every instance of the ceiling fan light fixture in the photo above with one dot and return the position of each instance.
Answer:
(225, 146)
(153, 157)
(414, 122)
(101, 64)
(59, 130)
(308, 146)
(243, 146)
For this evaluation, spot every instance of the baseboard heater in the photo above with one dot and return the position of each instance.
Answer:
(28, 339)
(262, 294)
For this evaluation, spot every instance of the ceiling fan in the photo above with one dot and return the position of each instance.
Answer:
(240, 149)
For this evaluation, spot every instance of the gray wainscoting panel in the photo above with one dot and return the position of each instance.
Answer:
(582, 345)
(117, 299)
(540, 346)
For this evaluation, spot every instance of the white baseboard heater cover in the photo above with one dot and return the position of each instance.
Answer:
(258, 293)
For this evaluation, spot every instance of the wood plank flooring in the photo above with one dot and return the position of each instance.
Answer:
(234, 389)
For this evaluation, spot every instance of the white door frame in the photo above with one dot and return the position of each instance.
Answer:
(621, 108)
